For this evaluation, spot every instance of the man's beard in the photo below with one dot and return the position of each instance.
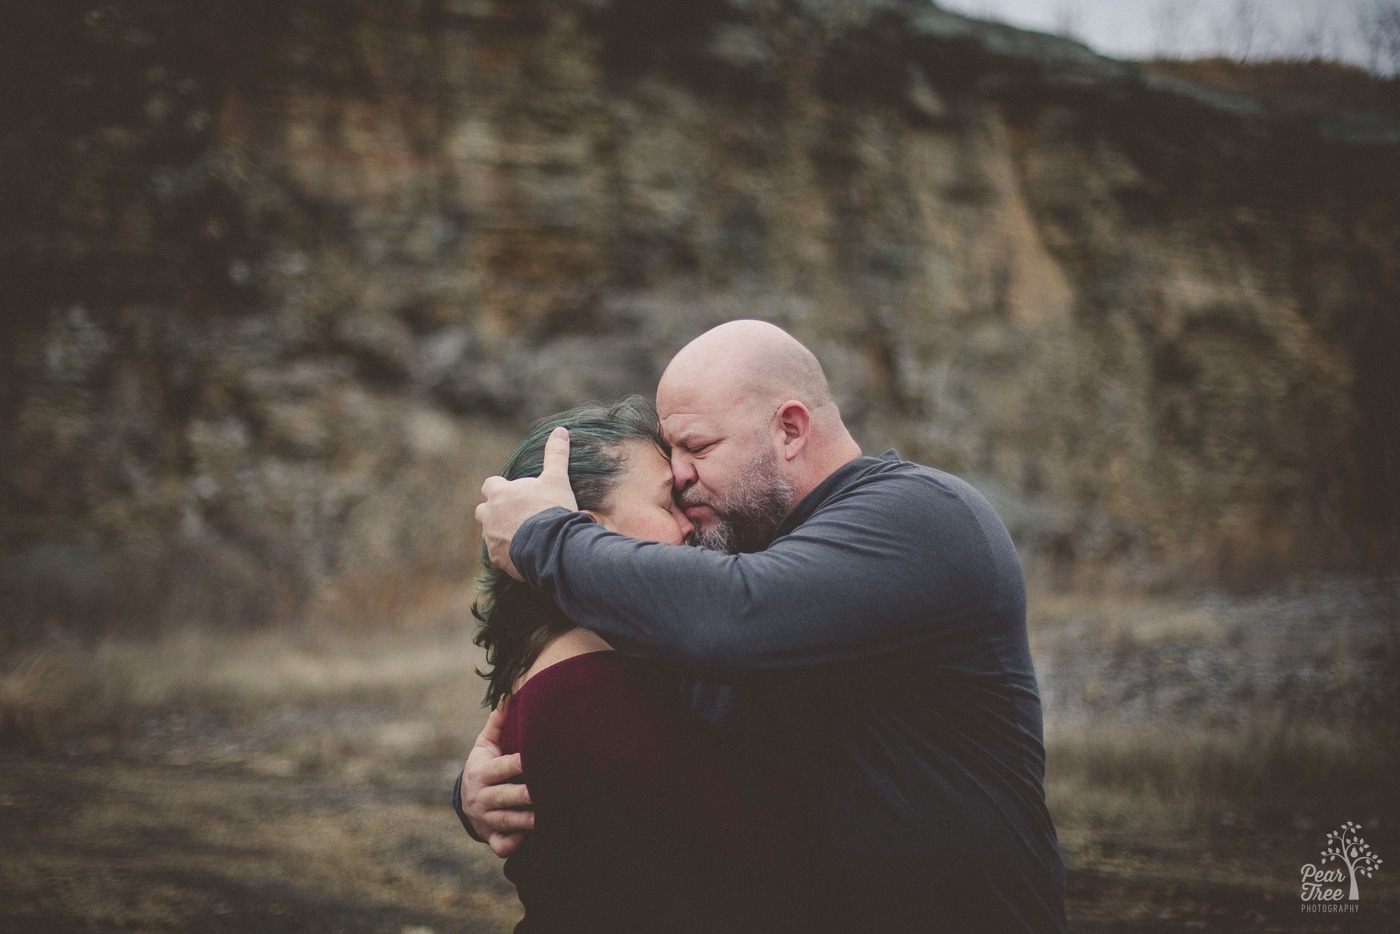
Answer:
(748, 514)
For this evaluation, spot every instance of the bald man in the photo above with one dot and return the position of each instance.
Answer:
(870, 613)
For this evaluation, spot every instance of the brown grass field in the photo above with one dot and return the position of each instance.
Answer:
(1199, 752)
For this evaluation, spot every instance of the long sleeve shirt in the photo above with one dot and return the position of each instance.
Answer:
(884, 671)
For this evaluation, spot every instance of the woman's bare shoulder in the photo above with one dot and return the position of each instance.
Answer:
(566, 645)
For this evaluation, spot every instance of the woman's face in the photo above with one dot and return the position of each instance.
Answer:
(641, 505)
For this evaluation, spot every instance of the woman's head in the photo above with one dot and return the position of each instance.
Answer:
(618, 467)
(621, 477)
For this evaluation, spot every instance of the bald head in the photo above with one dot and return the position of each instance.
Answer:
(748, 363)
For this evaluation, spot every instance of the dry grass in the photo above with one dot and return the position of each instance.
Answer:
(1251, 757)
(31, 700)
(64, 689)
(1108, 774)
(1101, 772)
(347, 738)
(1122, 617)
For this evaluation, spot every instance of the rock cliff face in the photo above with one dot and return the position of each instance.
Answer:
(284, 280)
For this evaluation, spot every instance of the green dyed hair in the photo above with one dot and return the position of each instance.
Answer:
(516, 622)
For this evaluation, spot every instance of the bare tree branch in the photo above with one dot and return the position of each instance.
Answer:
(1378, 22)
(1069, 19)
(1317, 39)
(1242, 30)
(1171, 26)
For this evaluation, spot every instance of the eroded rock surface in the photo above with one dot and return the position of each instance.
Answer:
(283, 281)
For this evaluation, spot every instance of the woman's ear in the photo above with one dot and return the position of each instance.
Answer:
(596, 518)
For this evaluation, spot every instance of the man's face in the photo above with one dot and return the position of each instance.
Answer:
(727, 477)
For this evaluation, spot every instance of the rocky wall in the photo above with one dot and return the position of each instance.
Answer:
(283, 281)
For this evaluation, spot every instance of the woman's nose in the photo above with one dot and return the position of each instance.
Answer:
(686, 526)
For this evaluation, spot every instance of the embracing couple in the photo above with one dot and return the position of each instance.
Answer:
(824, 718)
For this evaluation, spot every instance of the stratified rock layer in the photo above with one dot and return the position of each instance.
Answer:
(283, 281)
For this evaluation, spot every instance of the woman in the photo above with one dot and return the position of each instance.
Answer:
(640, 824)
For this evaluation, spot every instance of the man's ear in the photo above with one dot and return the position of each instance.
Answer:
(795, 422)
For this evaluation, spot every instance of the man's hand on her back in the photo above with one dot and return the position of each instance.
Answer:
(508, 503)
(497, 806)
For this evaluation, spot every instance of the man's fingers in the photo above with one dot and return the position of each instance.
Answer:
(494, 771)
(556, 457)
(490, 735)
(509, 821)
(504, 845)
(554, 475)
(491, 484)
(504, 797)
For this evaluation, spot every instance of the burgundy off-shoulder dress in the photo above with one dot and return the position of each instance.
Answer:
(640, 821)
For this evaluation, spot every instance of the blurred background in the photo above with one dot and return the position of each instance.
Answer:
(283, 280)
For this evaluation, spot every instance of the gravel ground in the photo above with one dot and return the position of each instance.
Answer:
(1322, 652)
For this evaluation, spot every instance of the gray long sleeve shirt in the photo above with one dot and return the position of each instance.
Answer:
(885, 678)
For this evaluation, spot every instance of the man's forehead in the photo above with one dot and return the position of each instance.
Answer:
(695, 395)
(677, 426)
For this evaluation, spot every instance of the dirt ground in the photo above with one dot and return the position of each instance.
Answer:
(191, 839)
(223, 823)
(284, 785)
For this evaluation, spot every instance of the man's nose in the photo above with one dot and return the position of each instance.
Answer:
(682, 470)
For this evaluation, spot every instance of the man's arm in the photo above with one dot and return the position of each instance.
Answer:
(883, 569)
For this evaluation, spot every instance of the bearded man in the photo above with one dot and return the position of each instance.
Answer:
(868, 614)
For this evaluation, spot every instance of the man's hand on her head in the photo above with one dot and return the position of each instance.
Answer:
(497, 806)
(508, 503)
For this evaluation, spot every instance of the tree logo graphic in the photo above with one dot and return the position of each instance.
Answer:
(1346, 848)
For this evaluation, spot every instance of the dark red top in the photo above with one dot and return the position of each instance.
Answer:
(640, 823)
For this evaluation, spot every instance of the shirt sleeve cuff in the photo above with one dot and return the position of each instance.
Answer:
(461, 814)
